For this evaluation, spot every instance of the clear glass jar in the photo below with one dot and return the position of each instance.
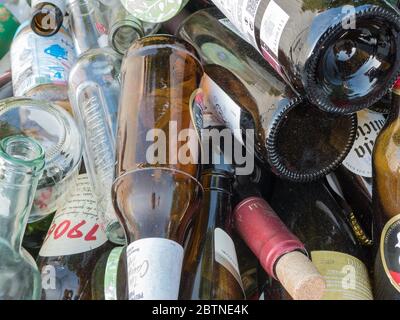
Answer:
(57, 132)
(21, 165)
(40, 65)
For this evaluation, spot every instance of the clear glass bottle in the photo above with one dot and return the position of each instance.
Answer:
(94, 90)
(125, 28)
(57, 132)
(47, 16)
(41, 65)
(21, 165)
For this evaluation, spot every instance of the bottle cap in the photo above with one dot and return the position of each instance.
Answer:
(55, 129)
(299, 277)
(155, 11)
(264, 233)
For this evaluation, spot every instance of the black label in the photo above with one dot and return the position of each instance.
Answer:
(390, 251)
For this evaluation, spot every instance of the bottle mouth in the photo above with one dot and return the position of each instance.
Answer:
(47, 20)
(22, 151)
(306, 143)
(122, 37)
(352, 65)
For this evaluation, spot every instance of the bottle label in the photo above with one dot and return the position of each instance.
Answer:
(75, 227)
(40, 60)
(8, 26)
(359, 160)
(111, 274)
(346, 276)
(390, 251)
(242, 14)
(154, 269)
(225, 254)
(224, 106)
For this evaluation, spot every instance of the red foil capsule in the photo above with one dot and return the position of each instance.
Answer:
(264, 232)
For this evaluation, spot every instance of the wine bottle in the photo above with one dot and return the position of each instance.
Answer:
(280, 253)
(352, 181)
(109, 276)
(47, 16)
(312, 213)
(211, 270)
(386, 206)
(156, 191)
(73, 245)
(329, 50)
(249, 95)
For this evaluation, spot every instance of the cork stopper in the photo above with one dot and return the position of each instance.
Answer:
(299, 277)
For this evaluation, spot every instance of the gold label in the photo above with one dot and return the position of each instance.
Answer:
(346, 276)
(359, 232)
(390, 251)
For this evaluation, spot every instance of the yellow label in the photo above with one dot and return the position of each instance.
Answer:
(346, 276)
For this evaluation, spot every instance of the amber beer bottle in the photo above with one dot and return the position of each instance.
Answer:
(386, 204)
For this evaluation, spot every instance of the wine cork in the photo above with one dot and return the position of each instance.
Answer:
(299, 277)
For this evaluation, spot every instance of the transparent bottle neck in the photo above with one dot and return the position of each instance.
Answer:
(21, 166)
(88, 25)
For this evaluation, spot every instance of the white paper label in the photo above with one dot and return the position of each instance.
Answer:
(40, 60)
(75, 227)
(242, 14)
(359, 160)
(225, 107)
(225, 253)
(272, 26)
(154, 269)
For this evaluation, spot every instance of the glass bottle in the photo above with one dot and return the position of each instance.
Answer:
(250, 96)
(94, 91)
(385, 200)
(154, 11)
(57, 132)
(210, 269)
(328, 50)
(12, 13)
(47, 16)
(21, 164)
(72, 246)
(352, 181)
(312, 213)
(40, 65)
(109, 276)
(156, 193)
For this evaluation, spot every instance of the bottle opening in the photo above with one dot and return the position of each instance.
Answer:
(354, 65)
(47, 20)
(123, 37)
(319, 142)
(21, 149)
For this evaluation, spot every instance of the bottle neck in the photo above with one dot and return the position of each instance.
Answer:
(88, 25)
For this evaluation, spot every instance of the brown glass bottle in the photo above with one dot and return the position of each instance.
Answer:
(155, 192)
(240, 83)
(386, 205)
(343, 54)
(72, 247)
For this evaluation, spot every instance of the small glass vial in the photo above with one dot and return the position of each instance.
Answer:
(21, 165)
(57, 132)
(40, 65)
(47, 16)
